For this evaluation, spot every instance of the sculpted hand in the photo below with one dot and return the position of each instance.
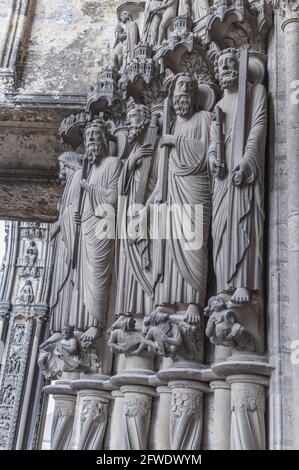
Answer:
(142, 152)
(240, 171)
(84, 185)
(78, 218)
(217, 167)
(169, 140)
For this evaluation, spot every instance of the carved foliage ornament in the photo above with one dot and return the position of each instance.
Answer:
(94, 410)
(134, 406)
(185, 403)
(249, 399)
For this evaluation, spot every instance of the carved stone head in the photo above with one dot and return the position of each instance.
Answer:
(69, 162)
(67, 332)
(138, 118)
(184, 94)
(96, 141)
(227, 67)
(125, 17)
(120, 34)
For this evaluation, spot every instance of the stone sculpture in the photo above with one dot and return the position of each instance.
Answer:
(179, 173)
(63, 235)
(169, 11)
(26, 295)
(96, 220)
(223, 328)
(118, 48)
(238, 212)
(132, 36)
(67, 352)
(187, 189)
(135, 277)
(152, 20)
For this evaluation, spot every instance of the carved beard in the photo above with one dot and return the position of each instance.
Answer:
(62, 178)
(135, 131)
(93, 152)
(229, 78)
(182, 104)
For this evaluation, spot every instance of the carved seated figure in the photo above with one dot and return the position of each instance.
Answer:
(162, 335)
(67, 352)
(223, 329)
(124, 338)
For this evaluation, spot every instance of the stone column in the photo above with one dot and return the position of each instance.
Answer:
(64, 411)
(137, 416)
(4, 318)
(248, 428)
(91, 414)
(222, 414)
(31, 379)
(162, 427)
(290, 26)
(117, 425)
(186, 415)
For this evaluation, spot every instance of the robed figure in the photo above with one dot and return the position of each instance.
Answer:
(135, 249)
(97, 233)
(188, 200)
(238, 214)
(62, 235)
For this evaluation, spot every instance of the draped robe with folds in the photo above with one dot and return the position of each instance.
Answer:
(61, 292)
(96, 253)
(185, 270)
(199, 8)
(238, 213)
(151, 21)
(134, 279)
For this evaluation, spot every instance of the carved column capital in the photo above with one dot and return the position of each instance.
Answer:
(289, 10)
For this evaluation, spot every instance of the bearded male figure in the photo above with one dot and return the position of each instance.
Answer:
(135, 282)
(238, 213)
(63, 234)
(96, 243)
(186, 263)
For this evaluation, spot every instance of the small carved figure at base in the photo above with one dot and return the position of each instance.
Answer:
(223, 329)
(124, 338)
(67, 351)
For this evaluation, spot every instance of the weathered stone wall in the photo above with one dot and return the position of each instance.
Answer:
(58, 50)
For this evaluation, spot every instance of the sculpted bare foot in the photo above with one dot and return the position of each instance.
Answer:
(241, 296)
(90, 335)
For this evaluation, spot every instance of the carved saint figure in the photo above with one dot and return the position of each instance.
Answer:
(96, 242)
(26, 295)
(31, 253)
(132, 36)
(238, 213)
(135, 282)
(152, 20)
(118, 48)
(63, 234)
(188, 194)
(169, 12)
